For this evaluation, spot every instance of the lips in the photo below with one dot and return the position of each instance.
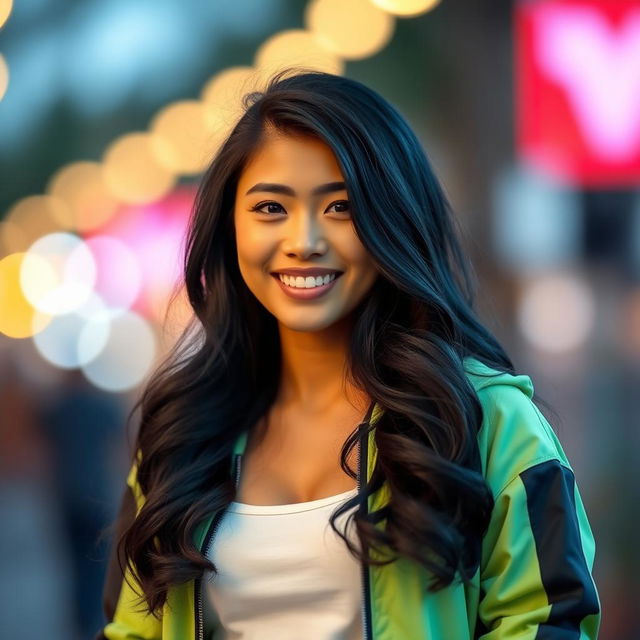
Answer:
(276, 275)
(297, 272)
(302, 293)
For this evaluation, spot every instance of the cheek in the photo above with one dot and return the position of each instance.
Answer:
(360, 259)
(250, 244)
(362, 270)
(254, 254)
(367, 271)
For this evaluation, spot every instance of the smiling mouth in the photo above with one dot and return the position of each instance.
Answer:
(317, 286)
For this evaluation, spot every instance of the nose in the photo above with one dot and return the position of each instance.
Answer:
(304, 236)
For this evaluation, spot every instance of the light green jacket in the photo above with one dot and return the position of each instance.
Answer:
(535, 576)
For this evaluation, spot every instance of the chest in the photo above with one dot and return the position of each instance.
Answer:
(297, 461)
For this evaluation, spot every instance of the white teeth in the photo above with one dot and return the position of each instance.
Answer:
(306, 283)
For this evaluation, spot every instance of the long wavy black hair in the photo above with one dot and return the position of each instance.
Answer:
(409, 338)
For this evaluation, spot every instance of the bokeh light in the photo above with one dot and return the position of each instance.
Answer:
(127, 356)
(154, 233)
(30, 218)
(11, 235)
(82, 187)
(183, 137)
(16, 312)
(65, 342)
(119, 276)
(223, 95)
(132, 171)
(537, 224)
(58, 273)
(5, 10)
(406, 8)
(556, 313)
(4, 76)
(296, 47)
(353, 30)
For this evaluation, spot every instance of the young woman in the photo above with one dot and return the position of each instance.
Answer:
(337, 447)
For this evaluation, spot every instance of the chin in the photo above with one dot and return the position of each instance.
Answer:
(307, 326)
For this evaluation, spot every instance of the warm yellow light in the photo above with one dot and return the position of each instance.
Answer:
(223, 92)
(81, 185)
(406, 8)
(182, 137)
(296, 47)
(4, 76)
(5, 10)
(30, 218)
(18, 319)
(353, 30)
(11, 235)
(58, 273)
(131, 171)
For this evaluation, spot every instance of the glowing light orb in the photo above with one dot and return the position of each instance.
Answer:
(30, 218)
(406, 8)
(296, 47)
(82, 187)
(132, 171)
(127, 356)
(58, 273)
(4, 76)
(119, 275)
(556, 313)
(353, 30)
(62, 343)
(16, 312)
(183, 137)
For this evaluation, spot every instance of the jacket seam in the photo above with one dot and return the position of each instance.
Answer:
(533, 463)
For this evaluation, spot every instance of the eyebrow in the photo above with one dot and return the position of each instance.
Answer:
(284, 189)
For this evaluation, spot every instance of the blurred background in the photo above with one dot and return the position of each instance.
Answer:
(111, 109)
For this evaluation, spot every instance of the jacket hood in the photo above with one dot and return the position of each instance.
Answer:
(482, 376)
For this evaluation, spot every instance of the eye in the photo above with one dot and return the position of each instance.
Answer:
(261, 205)
(341, 203)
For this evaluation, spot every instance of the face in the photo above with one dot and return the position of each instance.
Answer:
(292, 211)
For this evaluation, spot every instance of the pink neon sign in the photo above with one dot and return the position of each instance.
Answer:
(578, 89)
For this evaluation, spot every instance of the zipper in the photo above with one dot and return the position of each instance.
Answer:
(366, 595)
(206, 545)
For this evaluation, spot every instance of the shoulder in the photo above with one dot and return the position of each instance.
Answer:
(514, 435)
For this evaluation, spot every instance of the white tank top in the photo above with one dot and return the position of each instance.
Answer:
(284, 574)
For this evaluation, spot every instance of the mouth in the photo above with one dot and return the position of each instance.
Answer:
(304, 293)
(277, 275)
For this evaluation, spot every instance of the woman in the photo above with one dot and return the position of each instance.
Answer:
(362, 387)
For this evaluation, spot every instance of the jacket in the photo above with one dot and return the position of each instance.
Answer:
(535, 575)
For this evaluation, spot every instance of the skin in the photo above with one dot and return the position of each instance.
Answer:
(304, 231)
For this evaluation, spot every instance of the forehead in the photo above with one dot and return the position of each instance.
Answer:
(295, 160)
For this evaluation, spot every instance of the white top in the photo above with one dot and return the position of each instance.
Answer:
(284, 573)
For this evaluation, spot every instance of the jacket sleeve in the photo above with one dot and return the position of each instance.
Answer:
(537, 558)
(121, 604)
